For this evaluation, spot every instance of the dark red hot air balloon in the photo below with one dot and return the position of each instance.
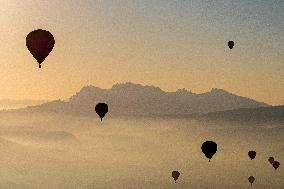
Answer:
(231, 44)
(251, 179)
(175, 175)
(275, 164)
(40, 43)
(101, 109)
(271, 160)
(252, 154)
(209, 148)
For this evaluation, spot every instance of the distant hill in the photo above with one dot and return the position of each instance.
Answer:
(137, 100)
(262, 114)
(6, 104)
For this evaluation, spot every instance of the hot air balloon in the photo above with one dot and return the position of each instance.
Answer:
(271, 160)
(251, 179)
(275, 164)
(209, 148)
(231, 44)
(175, 175)
(101, 109)
(40, 43)
(252, 154)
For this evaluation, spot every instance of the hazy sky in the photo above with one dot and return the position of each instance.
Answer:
(168, 43)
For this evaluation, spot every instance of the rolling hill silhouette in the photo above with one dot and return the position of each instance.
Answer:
(137, 100)
(261, 114)
(16, 104)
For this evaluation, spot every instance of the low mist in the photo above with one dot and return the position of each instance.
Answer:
(43, 151)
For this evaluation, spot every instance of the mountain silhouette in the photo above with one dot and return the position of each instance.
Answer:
(261, 114)
(16, 104)
(138, 100)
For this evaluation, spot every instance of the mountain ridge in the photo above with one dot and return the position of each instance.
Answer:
(260, 114)
(135, 99)
(16, 104)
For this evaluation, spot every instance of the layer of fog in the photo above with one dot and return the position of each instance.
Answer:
(40, 151)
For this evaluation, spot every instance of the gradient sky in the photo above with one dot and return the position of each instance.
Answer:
(167, 43)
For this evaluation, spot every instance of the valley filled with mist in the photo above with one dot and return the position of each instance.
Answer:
(49, 150)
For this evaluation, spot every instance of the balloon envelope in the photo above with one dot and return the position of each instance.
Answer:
(209, 148)
(271, 160)
(252, 154)
(175, 175)
(231, 44)
(251, 179)
(40, 43)
(276, 164)
(101, 109)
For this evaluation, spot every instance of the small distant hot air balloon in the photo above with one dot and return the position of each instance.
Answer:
(40, 43)
(276, 164)
(231, 44)
(252, 154)
(271, 160)
(101, 109)
(251, 179)
(175, 175)
(209, 148)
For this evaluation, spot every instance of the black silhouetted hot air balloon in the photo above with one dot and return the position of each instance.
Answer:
(231, 44)
(275, 164)
(101, 109)
(209, 148)
(271, 160)
(251, 179)
(175, 175)
(40, 43)
(252, 154)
